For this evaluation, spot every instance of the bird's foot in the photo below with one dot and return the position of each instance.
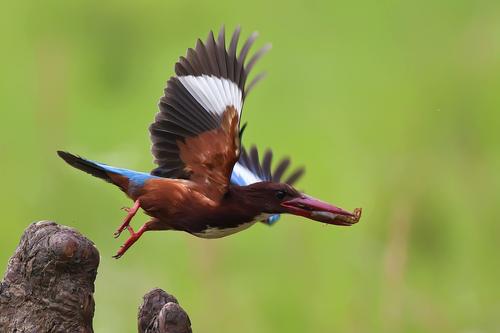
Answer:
(134, 236)
(119, 254)
(127, 209)
(131, 213)
(118, 232)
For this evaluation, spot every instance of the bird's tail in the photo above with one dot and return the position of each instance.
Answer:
(88, 166)
(123, 178)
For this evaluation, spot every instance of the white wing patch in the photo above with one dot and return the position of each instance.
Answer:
(213, 93)
(242, 176)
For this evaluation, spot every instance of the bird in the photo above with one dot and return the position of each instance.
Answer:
(205, 182)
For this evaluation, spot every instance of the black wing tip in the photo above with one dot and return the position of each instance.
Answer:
(206, 53)
(261, 166)
(296, 175)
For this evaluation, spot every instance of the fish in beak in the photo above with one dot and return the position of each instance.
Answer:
(318, 210)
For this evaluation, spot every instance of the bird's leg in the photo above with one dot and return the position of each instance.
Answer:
(131, 230)
(134, 236)
(130, 214)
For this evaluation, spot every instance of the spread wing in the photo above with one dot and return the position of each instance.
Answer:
(250, 169)
(195, 134)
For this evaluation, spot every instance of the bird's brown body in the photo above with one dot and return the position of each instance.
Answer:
(185, 206)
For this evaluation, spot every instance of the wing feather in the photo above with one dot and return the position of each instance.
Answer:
(204, 101)
(261, 170)
(232, 54)
(221, 52)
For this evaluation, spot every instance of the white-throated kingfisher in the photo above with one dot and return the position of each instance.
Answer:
(206, 183)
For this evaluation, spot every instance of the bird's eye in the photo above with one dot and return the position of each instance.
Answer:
(280, 194)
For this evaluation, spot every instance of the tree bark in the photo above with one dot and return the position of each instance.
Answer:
(49, 286)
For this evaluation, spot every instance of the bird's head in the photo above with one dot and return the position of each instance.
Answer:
(279, 198)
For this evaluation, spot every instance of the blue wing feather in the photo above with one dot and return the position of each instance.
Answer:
(272, 219)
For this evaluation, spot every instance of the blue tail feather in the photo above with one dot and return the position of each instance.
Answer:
(137, 178)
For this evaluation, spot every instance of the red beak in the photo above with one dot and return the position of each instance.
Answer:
(318, 210)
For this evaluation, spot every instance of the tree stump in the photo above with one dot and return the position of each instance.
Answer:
(49, 286)
(161, 313)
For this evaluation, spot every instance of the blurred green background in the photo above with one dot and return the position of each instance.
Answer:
(393, 106)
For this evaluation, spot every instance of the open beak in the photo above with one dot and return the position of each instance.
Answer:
(318, 210)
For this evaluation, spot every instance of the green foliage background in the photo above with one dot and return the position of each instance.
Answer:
(393, 106)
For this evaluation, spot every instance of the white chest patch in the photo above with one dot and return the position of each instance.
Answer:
(219, 233)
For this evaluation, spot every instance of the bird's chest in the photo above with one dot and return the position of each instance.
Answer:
(222, 228)
(213, 231)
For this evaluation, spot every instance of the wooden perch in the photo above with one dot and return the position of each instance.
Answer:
(49, 286)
